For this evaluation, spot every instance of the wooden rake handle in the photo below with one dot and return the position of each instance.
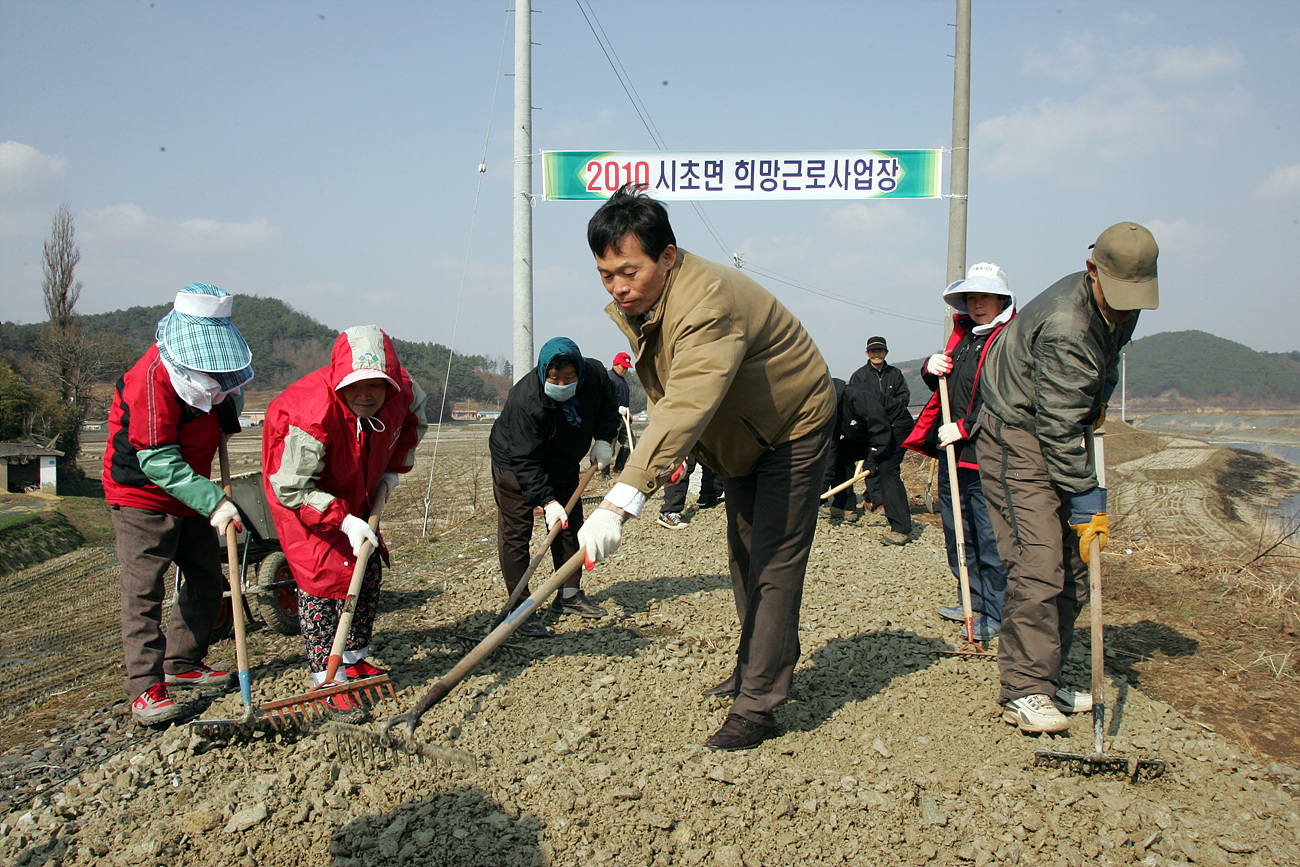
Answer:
(354, 588)
(859, 475)
(236, 588)
(494, 639)
(546, 545)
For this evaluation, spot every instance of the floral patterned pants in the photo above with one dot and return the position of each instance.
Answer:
(318, 617)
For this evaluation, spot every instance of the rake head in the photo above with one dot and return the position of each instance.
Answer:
(970, 648)
(299, 710)
(1097, 763)
(364, 746)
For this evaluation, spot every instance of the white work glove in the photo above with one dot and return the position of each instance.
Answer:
(602, 452)
(625, 412)
(939, 364)
(555, 514)
(948, 434)
(358, 533)
(391, 480)
(600, 535)
(223, 516)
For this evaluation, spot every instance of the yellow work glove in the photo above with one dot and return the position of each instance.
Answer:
(1097, 527)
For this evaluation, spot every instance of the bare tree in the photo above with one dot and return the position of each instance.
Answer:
(71, 362)
(61, 258)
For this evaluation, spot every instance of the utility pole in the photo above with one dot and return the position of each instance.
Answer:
(960, 162)
(523, 179)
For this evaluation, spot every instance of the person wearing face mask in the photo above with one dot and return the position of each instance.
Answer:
(168, 416)
(329, 441)
(546, 427)
(983, 305)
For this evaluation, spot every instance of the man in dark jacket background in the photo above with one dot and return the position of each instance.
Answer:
(623, 397)
(862, 433)
(1045, 385)
(885, 488)
(545, 429)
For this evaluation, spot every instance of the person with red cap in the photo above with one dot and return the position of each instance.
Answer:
(330, 440)
(168, 416)
(1045, 386)
(623, 396)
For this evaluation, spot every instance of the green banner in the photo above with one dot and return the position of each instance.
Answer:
(700, 176)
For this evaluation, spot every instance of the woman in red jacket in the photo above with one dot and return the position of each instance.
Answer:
(984, 305)
(330, 440)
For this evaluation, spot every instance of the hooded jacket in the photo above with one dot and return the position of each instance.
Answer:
(862, 426)
(727, 369)
(968, 351)
(1048, 372)
(532, 437)
(322, 463)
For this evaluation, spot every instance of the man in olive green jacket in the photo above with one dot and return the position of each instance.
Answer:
(733, 377)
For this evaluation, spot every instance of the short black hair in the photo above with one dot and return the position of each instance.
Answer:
(630, 211)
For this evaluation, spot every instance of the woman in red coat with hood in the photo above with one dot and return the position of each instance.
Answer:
(330, 440)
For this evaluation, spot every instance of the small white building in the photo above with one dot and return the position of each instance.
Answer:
(28, 465)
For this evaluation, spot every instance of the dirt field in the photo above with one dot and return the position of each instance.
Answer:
(589, 743)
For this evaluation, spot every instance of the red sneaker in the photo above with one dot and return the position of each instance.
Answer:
(201, 676)
(360, 669)
(155, 706)
(346, 709)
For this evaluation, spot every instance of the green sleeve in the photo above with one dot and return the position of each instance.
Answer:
(166, 469)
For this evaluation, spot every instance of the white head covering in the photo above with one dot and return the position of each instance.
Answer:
(982, 277)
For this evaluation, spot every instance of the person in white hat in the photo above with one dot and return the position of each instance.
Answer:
(1045, 385)
(168, 415)
(330, 440)
(983, 305)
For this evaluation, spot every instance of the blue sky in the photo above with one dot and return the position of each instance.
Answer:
(327, 153)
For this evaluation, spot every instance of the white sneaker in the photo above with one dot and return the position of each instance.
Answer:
(1068, 701)
(1034, 713)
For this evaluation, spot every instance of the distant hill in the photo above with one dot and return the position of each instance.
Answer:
(286, 345)
(1190, 368)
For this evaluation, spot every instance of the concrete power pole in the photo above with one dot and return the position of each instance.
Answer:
(523, 179)
(960, 164)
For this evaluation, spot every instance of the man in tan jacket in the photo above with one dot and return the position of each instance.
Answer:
(732, 377)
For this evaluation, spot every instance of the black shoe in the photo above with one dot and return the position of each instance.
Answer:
(738, 733)
(725, 689)
(707, 504)
(533, 627)
(577, 604)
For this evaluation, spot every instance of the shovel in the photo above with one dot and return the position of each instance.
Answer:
(245, 722)
(398, 734)
(971, 647)
(1097, 762)
(293, 711)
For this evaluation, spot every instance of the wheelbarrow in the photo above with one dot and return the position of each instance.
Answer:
(272, 592)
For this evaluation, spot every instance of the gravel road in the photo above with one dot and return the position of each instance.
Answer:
(589, 743)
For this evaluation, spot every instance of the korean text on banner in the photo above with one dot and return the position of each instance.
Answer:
(900, 174)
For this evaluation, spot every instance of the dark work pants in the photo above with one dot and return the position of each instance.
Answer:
(515, 526)
(1047, 580)
(148, 543)
(988, 577)
(891, 493)
(839, 469)
(711, 488)
(771, 520)
(622, 448)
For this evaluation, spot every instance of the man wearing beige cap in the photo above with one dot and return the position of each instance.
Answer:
(1045, 385)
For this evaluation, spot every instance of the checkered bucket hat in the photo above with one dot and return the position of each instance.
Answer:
(197, 333)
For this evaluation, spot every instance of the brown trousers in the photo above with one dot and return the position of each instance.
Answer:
(148, 543)
(515, 526)
(1047, 580)
(771, 520)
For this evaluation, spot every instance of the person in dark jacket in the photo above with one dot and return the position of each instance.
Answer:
(623, 397)
(545, 429)
(1045, 386)
(862, 433)
(983, 305)
(885, 489)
